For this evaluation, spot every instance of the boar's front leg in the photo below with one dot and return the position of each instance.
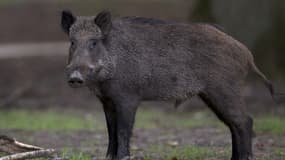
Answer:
(110, 115)
(126, 111)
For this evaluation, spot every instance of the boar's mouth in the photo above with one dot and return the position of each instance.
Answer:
(94, 74)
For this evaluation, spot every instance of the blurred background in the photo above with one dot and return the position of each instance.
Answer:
(33, 50)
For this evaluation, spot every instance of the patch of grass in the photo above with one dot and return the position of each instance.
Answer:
(177, 153)
(153, 119)
(70, 155)
(146, 118)
(279, 153)
(51, 120)
(187, 153)
(270, 124)
(196, 119)
(66, 153)
(80, 156)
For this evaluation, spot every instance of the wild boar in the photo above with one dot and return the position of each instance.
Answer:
(131, 59)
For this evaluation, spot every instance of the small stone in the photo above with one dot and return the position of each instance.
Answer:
(135, 148)
(173, 143)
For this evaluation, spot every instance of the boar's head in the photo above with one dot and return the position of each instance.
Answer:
(89, 59)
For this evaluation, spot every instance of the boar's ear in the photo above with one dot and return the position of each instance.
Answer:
(103, 20)
(67, 19)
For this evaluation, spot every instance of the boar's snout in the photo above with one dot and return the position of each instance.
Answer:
(75, 79)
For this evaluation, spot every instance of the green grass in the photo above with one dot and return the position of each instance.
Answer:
(152, 119)
(177, 153)
(146, 118)
(279, 153)
(270, 124)
(164, 152)
(51, 120)
(66, 153)
(71, 155)
(187, 153)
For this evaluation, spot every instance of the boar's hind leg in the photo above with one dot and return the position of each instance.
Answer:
(229, 106)
(110, 115)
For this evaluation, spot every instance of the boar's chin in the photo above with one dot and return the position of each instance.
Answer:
(76, 86)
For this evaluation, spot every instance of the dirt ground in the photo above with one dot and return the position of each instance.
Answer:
(155, 142)
(95, 143)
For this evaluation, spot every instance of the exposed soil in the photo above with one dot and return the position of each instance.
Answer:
(95, 143)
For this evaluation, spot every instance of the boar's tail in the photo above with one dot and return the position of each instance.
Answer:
(267, 82)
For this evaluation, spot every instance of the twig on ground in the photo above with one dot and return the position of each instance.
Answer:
(20, 150)
(29, 155)
(11, 146)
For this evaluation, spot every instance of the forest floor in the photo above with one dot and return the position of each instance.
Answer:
(80, 134)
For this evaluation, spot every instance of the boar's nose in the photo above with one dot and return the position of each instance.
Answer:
(75, 79)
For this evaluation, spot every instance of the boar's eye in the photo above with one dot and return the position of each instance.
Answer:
(72, 43)
(92, 44)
